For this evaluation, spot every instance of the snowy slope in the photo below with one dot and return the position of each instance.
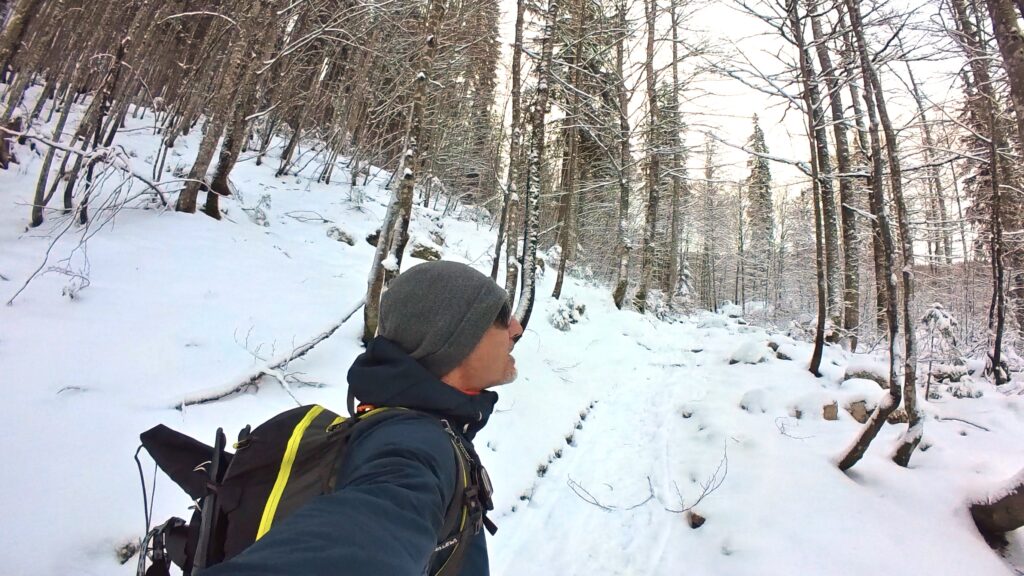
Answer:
(613, 428)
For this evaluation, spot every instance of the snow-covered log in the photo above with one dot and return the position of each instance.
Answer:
(1001, 511)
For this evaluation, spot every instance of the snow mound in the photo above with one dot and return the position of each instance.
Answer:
(752, 351)
(754, 401)
(731, 310)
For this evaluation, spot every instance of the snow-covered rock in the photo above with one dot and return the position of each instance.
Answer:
(751, 351)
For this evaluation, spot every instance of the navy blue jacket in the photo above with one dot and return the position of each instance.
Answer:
(393, 487)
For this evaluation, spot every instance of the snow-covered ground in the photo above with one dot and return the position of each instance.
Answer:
(614, 429)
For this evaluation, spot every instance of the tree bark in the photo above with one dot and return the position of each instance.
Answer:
(394, 232)
(623, 245)
(820, 176)
(510, 206)
(573, 119)
(851, 252)
(653, 166)
(534, 174)
(1011, 46)
(13, 33)
(890, 402)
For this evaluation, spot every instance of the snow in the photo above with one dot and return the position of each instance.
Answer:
(612, 430)
(751, 351)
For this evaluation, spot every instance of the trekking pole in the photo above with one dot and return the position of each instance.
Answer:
(207, 529)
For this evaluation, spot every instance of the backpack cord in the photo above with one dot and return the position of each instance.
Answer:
(142, 480)
(147, 510)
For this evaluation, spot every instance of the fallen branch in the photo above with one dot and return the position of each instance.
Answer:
(708, 487)
(116, 158)
(274, 370)
(304, 216)
(979, 426)
(587, 496)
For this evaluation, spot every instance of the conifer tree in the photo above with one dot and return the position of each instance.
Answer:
(760, 219)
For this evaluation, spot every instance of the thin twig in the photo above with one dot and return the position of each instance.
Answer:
(979, 426)
(587, 496)
(708, 487)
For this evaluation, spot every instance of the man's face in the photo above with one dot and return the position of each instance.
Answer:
(491, 362)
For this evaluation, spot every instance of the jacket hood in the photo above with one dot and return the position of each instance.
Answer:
(384, 375)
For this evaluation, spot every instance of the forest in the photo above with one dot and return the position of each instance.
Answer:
(892, 222)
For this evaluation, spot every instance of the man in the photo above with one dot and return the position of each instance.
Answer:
(446, 335)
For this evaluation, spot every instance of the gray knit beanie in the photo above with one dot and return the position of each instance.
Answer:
(438, 311)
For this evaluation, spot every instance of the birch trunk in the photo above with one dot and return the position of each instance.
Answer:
(394, 231)
(510, 206)
(534, 174)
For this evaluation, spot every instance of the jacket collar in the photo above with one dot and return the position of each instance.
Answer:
(384, 375)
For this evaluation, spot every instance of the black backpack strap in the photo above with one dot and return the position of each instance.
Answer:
(467, 512)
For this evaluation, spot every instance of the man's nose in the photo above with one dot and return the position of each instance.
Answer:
(515, 330)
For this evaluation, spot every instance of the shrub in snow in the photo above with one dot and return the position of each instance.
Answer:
(965, 388)
(938, 343)
(753, 351)
(257, 214)
(567, 314)
(356, 195)
(436, 237)
(73, 288)
(424, 251)
(335, 233)
(805, 326)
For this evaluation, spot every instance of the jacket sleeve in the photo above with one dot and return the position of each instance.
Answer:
(383, 519)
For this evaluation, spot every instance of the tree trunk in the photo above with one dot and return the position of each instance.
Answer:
(394, 232)
(222, 105)
(509, 208)
(1011, 46)
(915, 426)
(564, 235)
(877, 201)
(623, 245)
(863, 158)
(653, 166)
(998, 299)
(13, 32)
(534, 174)
(985, 109)
(675, 215)
(820, 176)
(851, 251)
(245, 105)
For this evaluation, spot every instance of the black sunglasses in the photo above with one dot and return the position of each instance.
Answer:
(504, 317)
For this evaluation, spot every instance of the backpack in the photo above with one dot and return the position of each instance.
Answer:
(277, 468)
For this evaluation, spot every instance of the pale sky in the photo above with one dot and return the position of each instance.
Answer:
(725, 106)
